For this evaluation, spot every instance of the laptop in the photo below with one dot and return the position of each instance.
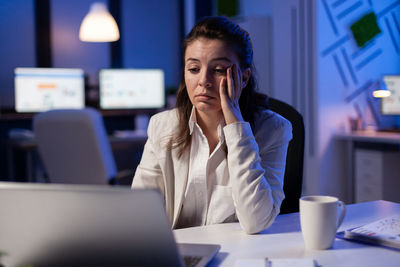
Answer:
(73, 225)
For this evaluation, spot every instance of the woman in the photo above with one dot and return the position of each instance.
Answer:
(219, 156)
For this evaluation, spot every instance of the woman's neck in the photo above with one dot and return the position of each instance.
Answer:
(208, 123)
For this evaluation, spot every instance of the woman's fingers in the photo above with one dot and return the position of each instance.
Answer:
(222, 88)
(237, 81)
(240, 83)
(230, 89)
(230, 83)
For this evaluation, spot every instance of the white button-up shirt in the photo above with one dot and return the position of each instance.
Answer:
(208, 197)
(255, 159)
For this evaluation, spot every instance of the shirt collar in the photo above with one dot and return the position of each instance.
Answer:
(220, 130)
(193, 121)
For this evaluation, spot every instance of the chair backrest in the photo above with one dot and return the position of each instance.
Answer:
(74, 147)
(293, 179)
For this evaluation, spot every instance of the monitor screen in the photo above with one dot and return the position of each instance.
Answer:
(391, 105)
(131, 89)
(41, 89)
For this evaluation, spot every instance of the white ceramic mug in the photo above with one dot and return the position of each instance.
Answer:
(319, 220)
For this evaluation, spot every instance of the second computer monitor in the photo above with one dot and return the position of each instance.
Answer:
(391, 105)
(131, 88)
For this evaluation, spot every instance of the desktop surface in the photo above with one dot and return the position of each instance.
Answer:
(284, 240)
(389, 130)
(371, 136)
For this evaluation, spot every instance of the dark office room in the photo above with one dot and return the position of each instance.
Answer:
(88, 93)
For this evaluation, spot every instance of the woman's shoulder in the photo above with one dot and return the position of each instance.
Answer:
(271, 119)
(166, 114)
(270, 126)
(164, 122)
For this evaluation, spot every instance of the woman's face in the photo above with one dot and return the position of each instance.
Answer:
(206, 63)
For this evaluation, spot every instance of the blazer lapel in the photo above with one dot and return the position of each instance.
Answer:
(181, 171)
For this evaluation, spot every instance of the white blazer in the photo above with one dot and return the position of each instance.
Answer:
(256, 164)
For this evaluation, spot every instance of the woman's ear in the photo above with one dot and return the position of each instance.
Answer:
(245, 77)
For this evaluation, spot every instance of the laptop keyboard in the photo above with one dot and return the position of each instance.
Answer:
(191, 261)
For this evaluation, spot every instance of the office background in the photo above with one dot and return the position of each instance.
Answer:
(305, 48)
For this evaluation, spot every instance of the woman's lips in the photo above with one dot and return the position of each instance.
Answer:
(202, 97)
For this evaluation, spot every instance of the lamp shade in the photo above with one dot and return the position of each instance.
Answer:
(383, 89)
(381, 93)
(98, 25)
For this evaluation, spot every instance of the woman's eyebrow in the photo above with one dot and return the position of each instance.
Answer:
(214, 59)
(192, 59)
(222, 59)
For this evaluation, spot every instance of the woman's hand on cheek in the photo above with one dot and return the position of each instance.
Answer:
(229, 91)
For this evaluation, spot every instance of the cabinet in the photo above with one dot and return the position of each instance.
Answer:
(377, 175)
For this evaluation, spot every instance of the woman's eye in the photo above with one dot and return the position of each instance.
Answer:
(220, 71)
(193, 70)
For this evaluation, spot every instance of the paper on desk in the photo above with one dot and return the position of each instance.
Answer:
(251, 263)
(388, 227)
(385, 232)
(298, 262)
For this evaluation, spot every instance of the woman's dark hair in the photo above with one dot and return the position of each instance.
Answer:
(250, 101)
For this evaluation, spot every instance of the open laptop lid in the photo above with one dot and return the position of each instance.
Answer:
(59, 225)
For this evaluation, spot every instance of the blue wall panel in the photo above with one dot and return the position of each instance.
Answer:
(150, 31)
(151, 37)
(349, 72)
(68, 51)
(17, 44)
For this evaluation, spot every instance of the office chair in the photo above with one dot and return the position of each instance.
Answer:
(293, 179)
(74, 147)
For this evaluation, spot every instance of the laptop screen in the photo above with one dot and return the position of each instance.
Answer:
(41, 89)
(74, 225)
(131, 88)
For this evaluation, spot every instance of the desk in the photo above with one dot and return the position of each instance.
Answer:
(29, 147)
(369, 137)
(284, 240)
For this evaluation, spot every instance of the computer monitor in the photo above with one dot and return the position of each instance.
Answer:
(41, 89)
(131, 88)
(391, 105)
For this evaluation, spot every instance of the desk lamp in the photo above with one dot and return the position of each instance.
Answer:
(382, 91)
(98, 25)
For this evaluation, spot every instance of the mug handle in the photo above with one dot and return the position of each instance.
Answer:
(342, 213)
